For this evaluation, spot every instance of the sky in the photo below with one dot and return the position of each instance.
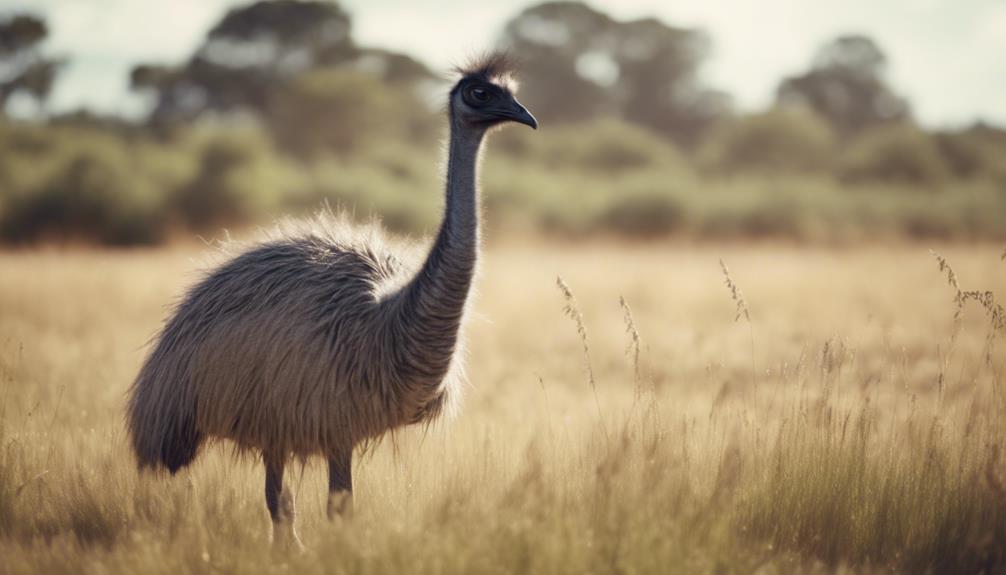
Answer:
(947, 56)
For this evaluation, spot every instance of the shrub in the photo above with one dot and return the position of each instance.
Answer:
(894, 154)
(237, 181)
(394, 184)
(105, 185)
(339, 111)
(975, 152)
(780, 140)
(643, 211)
(94, 197)
(606, 145)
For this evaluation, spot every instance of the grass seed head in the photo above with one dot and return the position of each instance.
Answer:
(985, 299)
(572, 310)
(635, 341)
(736, 294)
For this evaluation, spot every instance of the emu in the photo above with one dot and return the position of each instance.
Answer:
(319, 342)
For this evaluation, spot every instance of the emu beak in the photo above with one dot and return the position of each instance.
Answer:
(518, 113)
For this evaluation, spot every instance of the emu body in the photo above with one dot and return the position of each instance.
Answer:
(324, 339)
(288, 349)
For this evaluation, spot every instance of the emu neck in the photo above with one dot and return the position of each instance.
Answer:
(433, 303)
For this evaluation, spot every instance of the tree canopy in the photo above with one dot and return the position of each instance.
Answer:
(256, 49)
(267, 59)
(846, 86)
(578, 63)
(24, 69)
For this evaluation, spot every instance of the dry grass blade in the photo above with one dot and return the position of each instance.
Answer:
(736, 294)
(945, 267)
(634, 340)
(37, 477)
(994, 311)
(876, 471)
(992, 477)
(995, 314)
(572, 311)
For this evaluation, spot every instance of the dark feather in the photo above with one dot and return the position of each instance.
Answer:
(497, 64)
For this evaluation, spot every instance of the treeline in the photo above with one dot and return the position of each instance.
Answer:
(280, 110)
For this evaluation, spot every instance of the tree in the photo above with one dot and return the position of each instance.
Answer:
(579, 63)
(846, 86)
(258, 49)
(251, 51)
(339, 111)
(276, 60)
(23, 67)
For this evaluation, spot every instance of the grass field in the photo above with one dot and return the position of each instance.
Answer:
(850, 423)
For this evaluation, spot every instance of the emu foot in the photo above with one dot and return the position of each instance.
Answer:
(285, 538)
(340, 504)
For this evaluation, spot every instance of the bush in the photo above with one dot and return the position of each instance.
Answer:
(398, 184)
(93, 198)
(894, 154)
(781, 140)
(86, 183)
(607, 146)
(646, 212)
(975, 152)
(28, 157)
(335, 111)
(238, 180)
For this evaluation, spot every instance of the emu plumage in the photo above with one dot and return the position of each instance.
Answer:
(288, 348)
(323, 339)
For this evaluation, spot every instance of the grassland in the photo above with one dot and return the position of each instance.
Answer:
(852, 422)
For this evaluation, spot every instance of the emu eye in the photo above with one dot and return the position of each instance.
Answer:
(478, 95)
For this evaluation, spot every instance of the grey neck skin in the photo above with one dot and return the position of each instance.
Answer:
(430, 308)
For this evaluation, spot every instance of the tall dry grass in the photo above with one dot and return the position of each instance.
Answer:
(868, 433)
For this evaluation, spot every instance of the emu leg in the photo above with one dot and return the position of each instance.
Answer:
(279, 500)
(340, 485)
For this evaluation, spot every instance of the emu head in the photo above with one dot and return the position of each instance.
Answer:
(484, 96)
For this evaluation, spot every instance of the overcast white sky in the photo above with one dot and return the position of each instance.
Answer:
(947, 56)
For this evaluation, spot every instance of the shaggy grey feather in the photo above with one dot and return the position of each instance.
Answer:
(321, 339)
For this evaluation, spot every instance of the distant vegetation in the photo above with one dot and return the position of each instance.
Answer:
(279, 111)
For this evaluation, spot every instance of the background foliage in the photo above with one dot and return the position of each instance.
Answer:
(279, 110)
